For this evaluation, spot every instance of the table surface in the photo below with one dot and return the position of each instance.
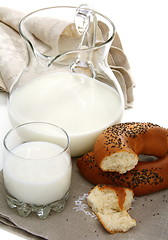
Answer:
(142, 26)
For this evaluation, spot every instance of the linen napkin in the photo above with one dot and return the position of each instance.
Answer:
(77, 221)
(13, 53)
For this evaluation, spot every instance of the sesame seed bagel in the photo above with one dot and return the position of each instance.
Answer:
(118, 147)
(147, 177)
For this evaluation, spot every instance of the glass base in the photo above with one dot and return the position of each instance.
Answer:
(24, 209)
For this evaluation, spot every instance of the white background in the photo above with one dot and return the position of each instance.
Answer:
(143, 29)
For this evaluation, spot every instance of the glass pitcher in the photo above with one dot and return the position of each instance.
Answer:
(67, 80)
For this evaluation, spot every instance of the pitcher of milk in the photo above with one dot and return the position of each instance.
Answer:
(67, 80)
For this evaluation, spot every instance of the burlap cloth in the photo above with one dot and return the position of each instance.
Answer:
(78, 222)
(13, 54)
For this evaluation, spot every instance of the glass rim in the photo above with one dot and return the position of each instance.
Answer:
(37, 159)
(73, 7)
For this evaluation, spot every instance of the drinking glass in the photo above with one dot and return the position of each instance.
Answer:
(37, 168)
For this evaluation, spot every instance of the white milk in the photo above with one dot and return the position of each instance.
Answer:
(43, 179)
(79, 104)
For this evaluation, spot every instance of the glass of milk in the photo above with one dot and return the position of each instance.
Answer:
(37, 168)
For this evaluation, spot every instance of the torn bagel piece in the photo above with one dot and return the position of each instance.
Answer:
(111, 205)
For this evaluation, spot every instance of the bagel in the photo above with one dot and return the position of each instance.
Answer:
(118, 147)
(145, 178)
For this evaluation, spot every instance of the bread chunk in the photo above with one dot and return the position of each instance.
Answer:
(111, 204)
(119, 162)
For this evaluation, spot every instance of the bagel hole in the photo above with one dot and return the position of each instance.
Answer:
(147, 158)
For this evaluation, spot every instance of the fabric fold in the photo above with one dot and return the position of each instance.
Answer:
(13, 51)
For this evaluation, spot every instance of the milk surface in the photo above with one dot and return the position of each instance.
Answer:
(81, 105)
(41, 175)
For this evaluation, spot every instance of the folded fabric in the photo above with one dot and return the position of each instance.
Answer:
(77, 221)
(13, 52)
